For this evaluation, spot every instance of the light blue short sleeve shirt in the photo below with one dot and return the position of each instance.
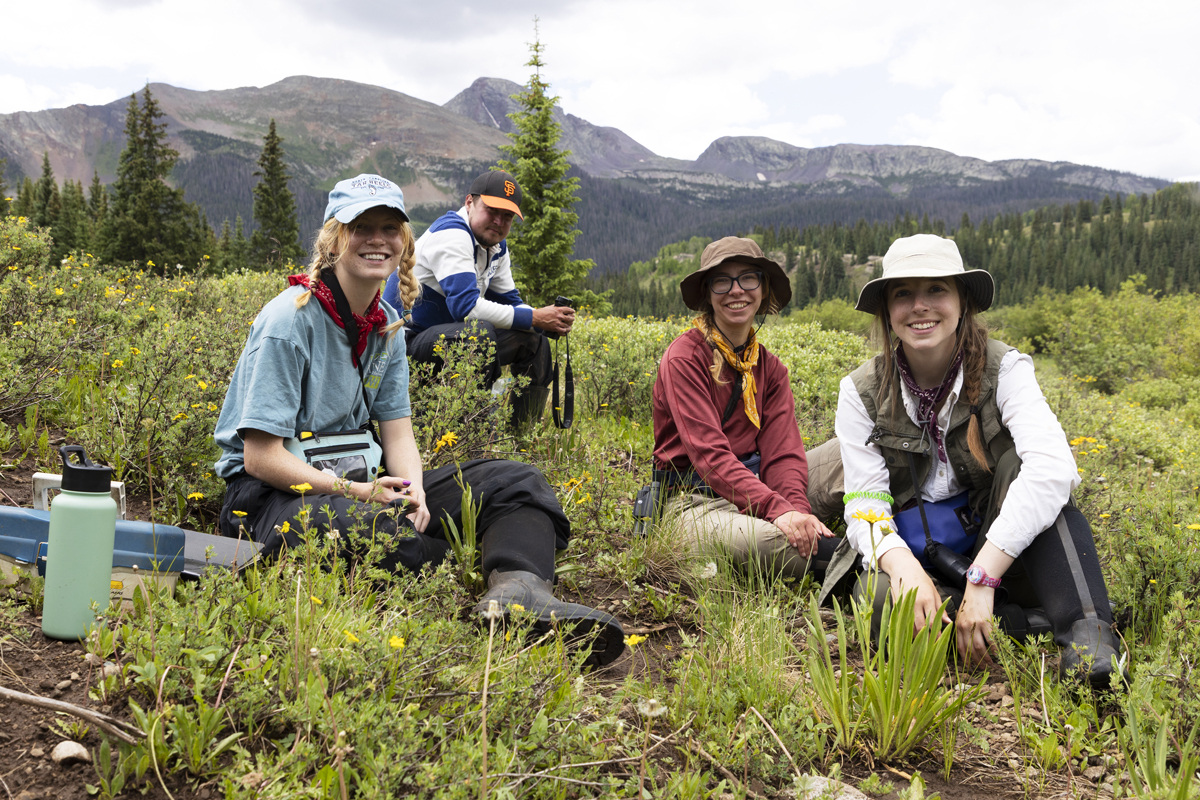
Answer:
(295, 374)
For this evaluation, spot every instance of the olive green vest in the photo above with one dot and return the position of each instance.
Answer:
(897, 435)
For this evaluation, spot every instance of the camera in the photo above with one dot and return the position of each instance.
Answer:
(563, 302)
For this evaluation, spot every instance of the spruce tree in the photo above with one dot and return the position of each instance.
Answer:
(47, 204)
(149, 220)
(71, 228)
(23, 206)
(277, 239)
(4, 198)
(542, 244)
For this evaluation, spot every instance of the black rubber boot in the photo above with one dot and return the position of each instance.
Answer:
(1088, 654)
(528, 407)
(582, 626)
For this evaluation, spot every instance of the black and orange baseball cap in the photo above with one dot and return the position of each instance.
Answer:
(498, 189)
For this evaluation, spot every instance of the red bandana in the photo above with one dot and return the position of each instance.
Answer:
(374, 318)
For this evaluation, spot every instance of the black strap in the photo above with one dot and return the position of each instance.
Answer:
(329, 278)
(912, 470)
(568, 401)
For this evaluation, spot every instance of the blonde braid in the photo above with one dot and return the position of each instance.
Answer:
(410, 287)
(328, 245)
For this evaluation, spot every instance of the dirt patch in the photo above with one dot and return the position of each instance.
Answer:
(33, 664)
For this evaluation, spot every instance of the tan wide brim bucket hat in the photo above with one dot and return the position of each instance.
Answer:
(694, 287)
(926, 256)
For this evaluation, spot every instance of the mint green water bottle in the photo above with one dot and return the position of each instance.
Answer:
(83, 527)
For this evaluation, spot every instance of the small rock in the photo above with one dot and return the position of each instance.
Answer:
(1093, 773)
(811, 787)
(26, 794)
(46, 684)
(109, 669)
(93, 660)
(831, 638)
(75, 676)
(62, 686)
(37, 752)
(68, 752)
(994, 696)
(1006, 701)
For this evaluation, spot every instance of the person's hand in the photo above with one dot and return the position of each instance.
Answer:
(802, 531)
(973, 624)
(906, 574)
(555, 319)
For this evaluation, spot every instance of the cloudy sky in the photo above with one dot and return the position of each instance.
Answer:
(1103, 83)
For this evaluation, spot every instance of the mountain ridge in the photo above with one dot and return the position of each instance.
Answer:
(632, 200)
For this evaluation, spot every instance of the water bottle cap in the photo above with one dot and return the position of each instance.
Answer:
(83, 476)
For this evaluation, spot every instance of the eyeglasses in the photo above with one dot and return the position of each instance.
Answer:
(749, 281)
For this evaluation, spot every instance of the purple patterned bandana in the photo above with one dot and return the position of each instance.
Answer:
(929, 399)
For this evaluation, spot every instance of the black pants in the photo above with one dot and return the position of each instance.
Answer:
(526, 352)
(520, 520)
(1059, 571)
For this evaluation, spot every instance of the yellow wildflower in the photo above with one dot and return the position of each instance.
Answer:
(350, 637)
(1194, 527)
(285, 527)
(396, 642)
(196, 496)
(301, 488)
(634, 640)
(871, 517)
(238, 513)
(316, 600)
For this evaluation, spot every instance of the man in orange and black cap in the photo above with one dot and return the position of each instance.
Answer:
(465, 272)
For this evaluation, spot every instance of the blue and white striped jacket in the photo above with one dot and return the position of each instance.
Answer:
(462, 279)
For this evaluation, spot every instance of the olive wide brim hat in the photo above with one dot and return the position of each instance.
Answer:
(694, 287)
(926, 256)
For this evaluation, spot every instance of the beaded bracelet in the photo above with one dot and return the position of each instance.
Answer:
(884, 496)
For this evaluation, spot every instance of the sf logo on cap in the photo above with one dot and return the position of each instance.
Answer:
(509, 188)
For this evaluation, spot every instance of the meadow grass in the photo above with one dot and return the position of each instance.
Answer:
(313, 676)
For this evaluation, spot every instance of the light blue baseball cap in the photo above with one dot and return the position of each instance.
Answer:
(353, 196)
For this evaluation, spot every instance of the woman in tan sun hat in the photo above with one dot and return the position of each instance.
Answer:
(946, 419)
(726, 443)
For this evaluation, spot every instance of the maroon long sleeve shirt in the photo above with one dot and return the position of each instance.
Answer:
(688, 433)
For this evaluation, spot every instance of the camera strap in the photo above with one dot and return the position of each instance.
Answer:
(930, 545)
(351, 326)
(568, 398)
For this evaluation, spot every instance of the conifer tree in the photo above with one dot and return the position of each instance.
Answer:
(47, 204)
(277, 239)
(238, 255)
(71, 228)
(149, 220)
(4, 198)
(23, 205)
(97, 199)
(542, 244)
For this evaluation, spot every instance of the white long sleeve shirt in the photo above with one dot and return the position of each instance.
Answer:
(1048, 471)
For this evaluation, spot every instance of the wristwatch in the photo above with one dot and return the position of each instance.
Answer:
(977, 576)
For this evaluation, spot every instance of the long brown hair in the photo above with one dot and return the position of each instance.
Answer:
(971, 338)
(331, 241)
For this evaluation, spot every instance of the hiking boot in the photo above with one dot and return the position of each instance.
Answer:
(1089, 654)
(582, 626)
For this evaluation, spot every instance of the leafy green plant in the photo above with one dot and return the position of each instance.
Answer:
(837, 687)
(464, 543)
(902, 696)
(1150, 758)
(194, 732)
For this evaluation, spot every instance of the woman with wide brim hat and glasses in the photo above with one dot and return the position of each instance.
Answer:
(726, 445)
(946, 418)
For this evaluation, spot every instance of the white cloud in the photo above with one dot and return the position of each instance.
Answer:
(1093, 82)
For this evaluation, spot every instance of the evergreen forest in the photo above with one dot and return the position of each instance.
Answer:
(1060, 247)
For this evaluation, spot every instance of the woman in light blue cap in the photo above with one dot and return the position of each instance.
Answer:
(296, 430)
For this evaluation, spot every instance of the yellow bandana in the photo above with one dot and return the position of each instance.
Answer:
(744, 365)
